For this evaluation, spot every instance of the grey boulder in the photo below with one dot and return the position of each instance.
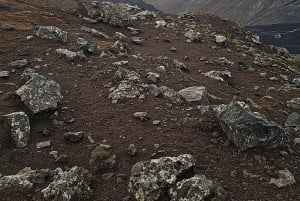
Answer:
(52, 33)
(150, 179)
(39, 93)
(19, 128)
(195, 94)
(247, 129)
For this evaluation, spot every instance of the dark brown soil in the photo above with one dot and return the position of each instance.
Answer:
(181, 129)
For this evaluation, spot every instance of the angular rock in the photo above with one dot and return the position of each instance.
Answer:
(181, 66)
(4, 74)
(73, 136)
(89, 49)
(220, 39)
(23, 181)
(223, 76)
(137, 40)
(69, 54)
(7, 27)
(39, 93)
(247, 129)
(197, 188)
(143, 116)
(285, 178)
(150, 179)
(171, 95)
(296, 82)
(68, 185)
(193, 36)
(119, 48)
(153, 77)
(43, 144)
(19, 128)
(144, 15)
(153, 90)
(52, 33)
(195, 94)
(294, 103)
(293, 120)
(101, 159)
(19, 63)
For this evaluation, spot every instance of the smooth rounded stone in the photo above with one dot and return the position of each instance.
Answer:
(43, 144)
(39, 93)
(101, 159)
(52, 33)
(285, 178)
(19, 128)
(68, 185)
(4, 74)
(150, 179)
(153, 77)
(193, 36)
(19, 63)
(247, 129)
(180, 66)
(132, 150)
(24, 180)
(293, 120)
(294, 103)
(195, 94)
(220, 39)
(153, 90)
(197, 188)
(143, 116)
(73, 136)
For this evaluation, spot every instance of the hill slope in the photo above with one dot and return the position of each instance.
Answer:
(255, 12)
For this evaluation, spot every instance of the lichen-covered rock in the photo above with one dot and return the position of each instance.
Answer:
(52, 33)
(19, 128)
(197, 188)
(171, 95)
(223, 76)
(67, 185)
(193, 36)
(101, 159)
(19, 63)
(247, 129)
(195, 94)
(70, 55)
(150, 179)
(119, 48)
(131, 85)
(23, 181)
(180, 66)
(39, 93)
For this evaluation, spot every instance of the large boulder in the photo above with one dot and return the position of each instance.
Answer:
(195, 94)
(23, 181)
(19, 128)
(247, 129)
(150, 179)
(197, 188)
(39, 93)
(67, 185)
(52, 33)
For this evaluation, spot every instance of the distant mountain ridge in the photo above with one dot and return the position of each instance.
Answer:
(246, 12)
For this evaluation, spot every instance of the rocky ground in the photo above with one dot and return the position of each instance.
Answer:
(109, 102)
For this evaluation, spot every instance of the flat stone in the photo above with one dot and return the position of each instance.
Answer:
(19, 63)
(143, 116)
(73, 136)
(4, 74)
(43, 144)
(195, 94)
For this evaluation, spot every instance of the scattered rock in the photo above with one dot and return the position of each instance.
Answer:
(52, 33)
(68, 185)
(150, 179)
(70, 54)
(132, 150)
(180, 66)
(143, 116)
(160, 23)
(285, 178)
(101, 158)
(224, 76)
(119, 48)
(193, 36)
(153, 77)
(39, 93)
(153, 90)
(137, 40)
(247, 129)
(220, 39)
(4, 74)
(197, 188)
(19, 128)
(43, 144)
(294, 103)
(8, 27)
(195, 94)
(73, 136)
(171, 95)
(296, 82)
(19, 63)
(293, 120)
(161, 69)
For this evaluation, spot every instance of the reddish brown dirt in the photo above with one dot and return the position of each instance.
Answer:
(181, 130)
